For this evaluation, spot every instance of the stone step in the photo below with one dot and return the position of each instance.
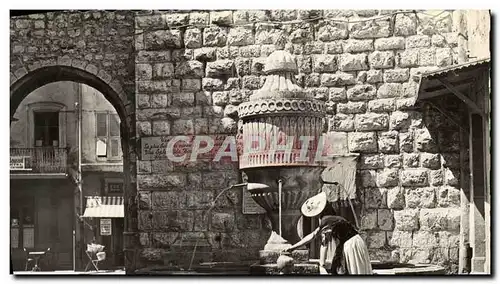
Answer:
(271, 256)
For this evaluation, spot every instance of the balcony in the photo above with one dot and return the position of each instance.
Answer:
(38, 161)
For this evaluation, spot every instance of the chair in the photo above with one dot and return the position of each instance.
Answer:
(28, 259)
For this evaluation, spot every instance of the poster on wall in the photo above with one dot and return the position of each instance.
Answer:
(105, 227)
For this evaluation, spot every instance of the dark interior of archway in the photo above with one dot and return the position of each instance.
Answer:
(43, 76)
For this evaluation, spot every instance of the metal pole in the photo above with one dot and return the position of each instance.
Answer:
(279, 204)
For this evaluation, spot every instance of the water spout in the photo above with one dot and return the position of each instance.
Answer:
(280, 184)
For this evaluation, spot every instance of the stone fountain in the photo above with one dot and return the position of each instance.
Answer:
(281, 130)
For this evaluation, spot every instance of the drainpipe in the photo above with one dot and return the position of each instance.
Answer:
(79, 169)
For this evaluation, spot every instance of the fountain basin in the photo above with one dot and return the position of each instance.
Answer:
(305, 268)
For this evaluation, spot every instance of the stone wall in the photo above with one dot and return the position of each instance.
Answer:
(190, 80)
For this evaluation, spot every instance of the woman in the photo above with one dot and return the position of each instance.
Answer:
(342, 249)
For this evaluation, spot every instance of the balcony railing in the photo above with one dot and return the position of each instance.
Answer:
(38, 160)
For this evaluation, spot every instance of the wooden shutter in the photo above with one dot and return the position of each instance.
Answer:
(102, 124)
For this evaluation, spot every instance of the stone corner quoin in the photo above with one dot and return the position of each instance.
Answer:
(190, 81)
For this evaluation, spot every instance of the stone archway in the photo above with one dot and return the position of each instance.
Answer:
(23, 82)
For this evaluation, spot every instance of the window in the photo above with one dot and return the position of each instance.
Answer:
(46, 129)
(22, 227)
(108, 136)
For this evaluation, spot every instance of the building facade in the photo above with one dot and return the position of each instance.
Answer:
(170, 73)
(45, 170)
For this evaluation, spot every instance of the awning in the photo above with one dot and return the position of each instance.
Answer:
(104, 207)
(442, 88)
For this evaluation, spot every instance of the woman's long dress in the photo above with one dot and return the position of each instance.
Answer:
(355, 257)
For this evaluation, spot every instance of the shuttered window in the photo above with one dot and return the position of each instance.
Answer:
(108, 136)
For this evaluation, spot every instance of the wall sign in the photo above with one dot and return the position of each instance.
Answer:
(18, 163)
(249, 205)
(113, 185)
(106, 227)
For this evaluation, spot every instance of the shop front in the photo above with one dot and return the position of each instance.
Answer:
(104, 225)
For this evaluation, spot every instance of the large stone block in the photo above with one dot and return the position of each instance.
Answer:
(143, 71)
(431, 161)
(369, 220)
(385, 219)
(425, 239)
(355, 46)
(240, 36)
(389, 90)
(376, 240)
(420, 197)
(250, 51)
(351, 107)
(390, 43)
(407, 58)
(220, 68)
(424, 141)
(418, 41)
(381, 105)
(439, 219)
(212, 84)
(324, 63)
(406, 142)
(371, 29)
(337, 94)
(353, 62)
(387, 178)
(414, 177)
(399, 120)
(381, 59)
(371, 122)
(183, 99)
(374, 76)
(189, 69)
(374, 197)
(444, 57)
(393, 161)
(411, 160)
(215, 36)
(161, 181)
(396, 75)
(161, 128)
(337, 80)
(361, 92)
(371, 161)
(163, 70)
(368, 179)
(334, 47)
(193, 38)
(162, 39)
(406, 220)
(395, 198)
(388, 142)
(315, 47)
(452, 177)
(168, 200)
(427, 56)
(402, 239)
(405, 25)
(222, 18)
(183, 127)
(362, 142)
(342, 122)
(331, 31)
